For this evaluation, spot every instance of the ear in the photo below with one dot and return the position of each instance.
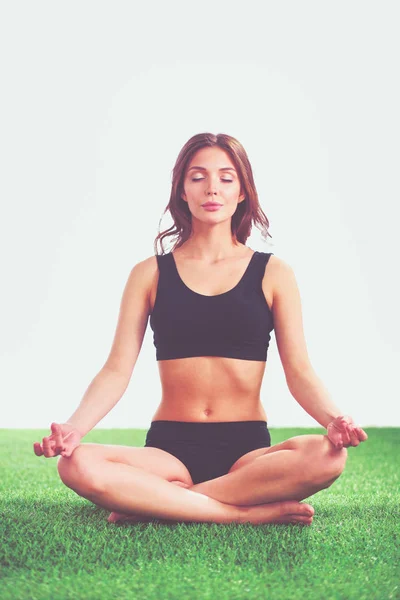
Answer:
(242, 195)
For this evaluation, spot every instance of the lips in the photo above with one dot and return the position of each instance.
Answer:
(211, 204)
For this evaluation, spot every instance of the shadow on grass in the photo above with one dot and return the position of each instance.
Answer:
(76, 509)
(44, 533)
(59, 531)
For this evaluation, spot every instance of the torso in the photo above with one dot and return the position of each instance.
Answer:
(211, 388)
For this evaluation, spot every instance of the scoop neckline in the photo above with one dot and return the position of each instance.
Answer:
(215, 295)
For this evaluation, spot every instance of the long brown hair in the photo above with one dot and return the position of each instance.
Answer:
(249, 211)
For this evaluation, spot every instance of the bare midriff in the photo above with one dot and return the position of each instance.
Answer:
(211, 388)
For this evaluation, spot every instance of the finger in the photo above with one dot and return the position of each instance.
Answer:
(333, 434)
(335, 437)
(354, 441)
(345, 436)
(68, 450)
(57, 449)
(338, 441)
(58, 439)
(47, 447)
(56, 430)
(37, 448)
(362, 436)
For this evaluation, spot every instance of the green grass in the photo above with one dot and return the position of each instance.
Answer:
(57, 545)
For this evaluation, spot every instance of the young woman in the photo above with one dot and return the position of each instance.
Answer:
(212, 303)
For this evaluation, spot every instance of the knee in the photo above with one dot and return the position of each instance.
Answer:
(65, 469)
(333, 462)
(76, 471)
(324, 462)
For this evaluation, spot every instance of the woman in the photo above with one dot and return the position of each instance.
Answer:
(212, 304)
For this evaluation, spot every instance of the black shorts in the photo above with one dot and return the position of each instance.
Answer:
(208, 450)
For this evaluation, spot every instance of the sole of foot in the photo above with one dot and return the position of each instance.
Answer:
(284, 513)
(290, 518)
(289, 511)
(122, 518)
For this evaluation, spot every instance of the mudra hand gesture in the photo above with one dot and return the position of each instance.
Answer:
(63, 440)
(343, 433)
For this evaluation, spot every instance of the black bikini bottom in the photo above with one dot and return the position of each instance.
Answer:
(208, 450)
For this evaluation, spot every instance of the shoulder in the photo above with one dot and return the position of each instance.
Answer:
(276, 267)
(149, 263)
(148, 269)
(142, 273)
(277, 273)
(142, 277)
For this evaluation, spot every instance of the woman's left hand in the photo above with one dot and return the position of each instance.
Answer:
(343, 433)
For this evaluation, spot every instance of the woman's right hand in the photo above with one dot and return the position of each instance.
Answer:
(63, 440)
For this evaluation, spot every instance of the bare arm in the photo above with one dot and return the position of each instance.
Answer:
(109, 385)
(103, 393)
(309, 391)
(303, 383)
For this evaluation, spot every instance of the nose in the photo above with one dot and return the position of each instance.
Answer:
(211, 188)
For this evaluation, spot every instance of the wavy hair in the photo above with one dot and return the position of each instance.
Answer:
(248, 212)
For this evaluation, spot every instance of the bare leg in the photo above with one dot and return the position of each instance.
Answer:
(292, 470)
(126, 489)
(118, 517)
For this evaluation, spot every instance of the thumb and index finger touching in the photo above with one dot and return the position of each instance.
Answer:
(346, 433)
(355, 432)
(52, 445)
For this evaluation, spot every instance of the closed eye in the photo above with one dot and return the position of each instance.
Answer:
(224, 180)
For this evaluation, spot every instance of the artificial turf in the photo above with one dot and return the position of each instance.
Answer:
(57, 545)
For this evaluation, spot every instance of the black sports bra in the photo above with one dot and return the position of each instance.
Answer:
(235, 324)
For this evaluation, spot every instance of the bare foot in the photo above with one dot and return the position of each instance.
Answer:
(120, 517)
(289, 511)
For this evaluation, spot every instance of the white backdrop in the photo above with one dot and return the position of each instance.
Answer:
(97, 99)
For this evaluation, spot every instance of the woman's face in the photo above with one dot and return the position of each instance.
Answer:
(211, 175)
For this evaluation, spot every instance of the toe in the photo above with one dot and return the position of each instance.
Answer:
(299, 508)
(112, 518)
(296, 519)
(306, 509)
(119, 517)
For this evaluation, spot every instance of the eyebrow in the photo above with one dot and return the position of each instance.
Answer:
(204, 169)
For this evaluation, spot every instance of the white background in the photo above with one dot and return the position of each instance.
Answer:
(97, 99)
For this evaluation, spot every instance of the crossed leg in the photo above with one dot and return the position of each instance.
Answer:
(287, 472)
(291, 470)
